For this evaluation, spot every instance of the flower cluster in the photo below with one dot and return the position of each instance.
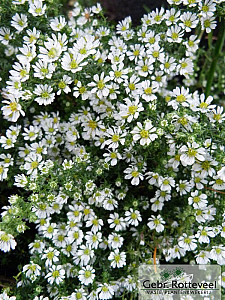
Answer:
(119, 154)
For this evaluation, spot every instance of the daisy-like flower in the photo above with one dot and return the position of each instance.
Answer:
(189, 243)
(93, 239)
(21, 71)
(36, 8)
(132, 217)
(50, 256)
(12, 110)
(112, 157)
(191, 153)
(56, 274)
(174, 34)
(156, 223)
(7, 242)
(73, 62)
(207, 8)
(86, 45)
(131, 109)
(84, 255)
(145, 134)
(217, 183)
(51, 51)
(133, 172)
(63, 85)
(86, 275)
(181, 96)
(204, 233)
(132, 86)
(99, 85)
(218, 254)
(171, 16)
(118, 259)
(115, 137)
(217, 115)
(20, 180)
(116, 222)
(136, 53)
(5, 35)
(43, 69)
(7, 141)
(81, 90)
(157, 16)
(105, 291)
(32, 36)
(189, 21)
(203, 105)
(145, 67)
(118, 73)
(149, 90)
(203, 257)
(19, 22)
(32, 162)
(208, 23)
(166, 183)
(115, 241)
(44, 93)
(58, 23)
(32, 270)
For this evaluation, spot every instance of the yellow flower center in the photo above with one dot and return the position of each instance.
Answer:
(132, 109)
(144, 134)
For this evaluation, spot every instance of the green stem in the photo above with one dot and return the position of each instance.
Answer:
(217, 52)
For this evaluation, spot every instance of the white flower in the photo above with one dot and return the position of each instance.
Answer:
(20, 180)
(36, 8)
(208, 23)
(115, 240)
(12, 110)
(191, 153)
(32, 163)
(203, 257)
(132, 217)
(116, 222)
(51, 51)
(7, 242)
(105, 291)
(149, 90)
(51, 256)
(174, 34)
(198, 200)
(84, 255)
(63, 85)
(43, 69)
(32, 271)
(99, 85)
(58, 23)
(218, 254)
(112, 157)
(19, 22)
(189, 243)
(56, 274)
(133, 173)
(45, 94)
(5, 35)
(204, 233)
(118, 259)
(73, 63)
(131, 109)
(144, 133)
(86, 275)
(221, 173)
(156, 223)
